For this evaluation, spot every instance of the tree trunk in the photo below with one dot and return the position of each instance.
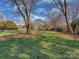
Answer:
(65, 14)
(76, 29)
(26, 24)
(25, 17)
(68, 25)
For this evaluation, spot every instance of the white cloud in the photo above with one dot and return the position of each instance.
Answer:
(52, 12)
(14, 9)
(67, 0)
(47, 1)
(44, 1)
(51, 1)
(55, 11)
(35, 17)
(39, 10)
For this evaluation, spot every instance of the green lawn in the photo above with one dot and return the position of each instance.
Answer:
(10, 32)
(50, 47)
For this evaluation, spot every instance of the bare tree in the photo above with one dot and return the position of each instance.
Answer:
(73, 11)
(73, 14)
(62, 6)
(24, 8)
(54, 22)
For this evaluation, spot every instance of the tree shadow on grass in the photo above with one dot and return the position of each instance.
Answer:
(67, 49)
(21, 49)
(38, 48)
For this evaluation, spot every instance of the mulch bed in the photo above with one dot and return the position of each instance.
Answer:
(30, 35)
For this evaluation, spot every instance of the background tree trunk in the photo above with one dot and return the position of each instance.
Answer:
(65, 14)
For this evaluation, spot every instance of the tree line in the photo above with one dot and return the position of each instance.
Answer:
(66, 20)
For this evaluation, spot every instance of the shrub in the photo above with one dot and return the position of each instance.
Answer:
(8, 25)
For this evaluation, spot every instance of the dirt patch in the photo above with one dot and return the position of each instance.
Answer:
(30, 35)
(65, 34)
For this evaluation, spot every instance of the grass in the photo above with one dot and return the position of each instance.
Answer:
(50, 47)
(9, 32)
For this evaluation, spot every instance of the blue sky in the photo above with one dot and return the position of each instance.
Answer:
(40, 10)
